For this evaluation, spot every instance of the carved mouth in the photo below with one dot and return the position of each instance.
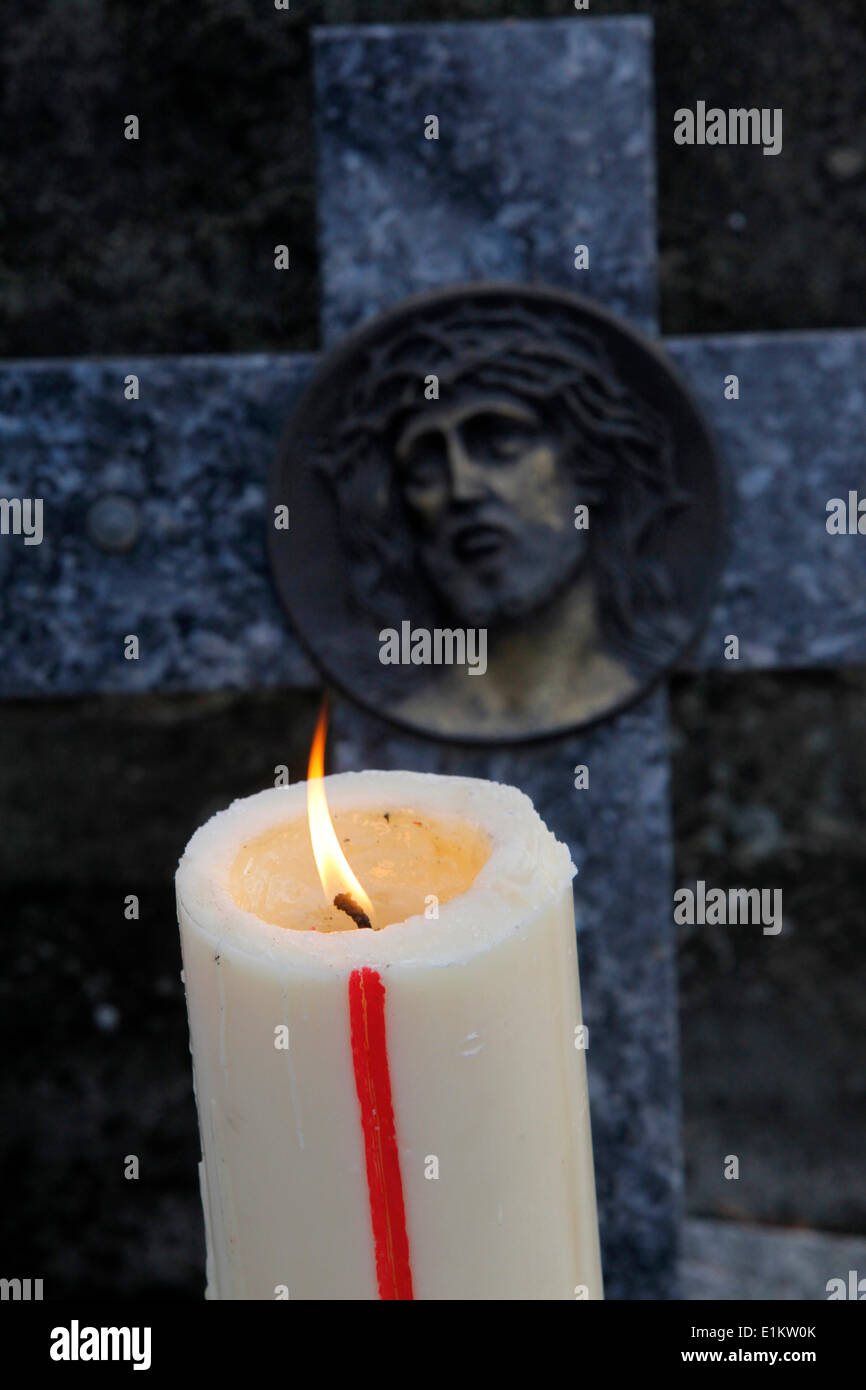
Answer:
(478, 542)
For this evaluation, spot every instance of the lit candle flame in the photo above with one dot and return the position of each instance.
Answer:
(336, 876)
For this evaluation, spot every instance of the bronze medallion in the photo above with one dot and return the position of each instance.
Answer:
(506, 514)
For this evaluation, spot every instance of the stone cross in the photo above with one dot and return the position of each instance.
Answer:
(153, 474)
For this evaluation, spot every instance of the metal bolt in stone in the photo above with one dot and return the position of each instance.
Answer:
(114, 523)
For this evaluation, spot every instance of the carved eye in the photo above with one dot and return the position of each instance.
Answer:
(489, 436)
(507, 446)
(425, 464)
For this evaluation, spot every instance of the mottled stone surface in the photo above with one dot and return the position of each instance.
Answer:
(769, 779)
(546, 136)
(194, 453)
(619, 834)
(728, 1261)
(794, 594)
(545, 140)
(196, 448)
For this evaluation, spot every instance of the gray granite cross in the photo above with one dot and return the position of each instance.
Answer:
(546, 141)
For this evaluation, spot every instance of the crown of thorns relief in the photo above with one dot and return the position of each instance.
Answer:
(622, 450)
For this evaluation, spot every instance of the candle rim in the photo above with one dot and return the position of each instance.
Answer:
(526, 870)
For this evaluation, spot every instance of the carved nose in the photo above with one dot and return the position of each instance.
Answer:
(468, 482)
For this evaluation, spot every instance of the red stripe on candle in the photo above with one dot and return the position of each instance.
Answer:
(373, 1084)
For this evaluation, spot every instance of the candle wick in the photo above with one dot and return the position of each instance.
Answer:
(346, 903)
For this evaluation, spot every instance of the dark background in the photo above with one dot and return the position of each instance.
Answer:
(166, 246)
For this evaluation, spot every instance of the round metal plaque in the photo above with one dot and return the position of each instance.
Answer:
(504, 514)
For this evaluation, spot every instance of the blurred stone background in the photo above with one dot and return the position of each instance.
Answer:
(165, 246)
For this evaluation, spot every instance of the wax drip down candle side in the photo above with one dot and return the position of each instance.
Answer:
(395, 1110)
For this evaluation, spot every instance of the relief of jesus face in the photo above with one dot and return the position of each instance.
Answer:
(491, 497)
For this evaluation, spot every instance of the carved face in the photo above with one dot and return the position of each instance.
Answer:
(491, 496)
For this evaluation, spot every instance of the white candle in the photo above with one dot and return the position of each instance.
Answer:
(397, 1112)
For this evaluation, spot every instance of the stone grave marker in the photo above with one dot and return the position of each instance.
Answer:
(153, 475)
